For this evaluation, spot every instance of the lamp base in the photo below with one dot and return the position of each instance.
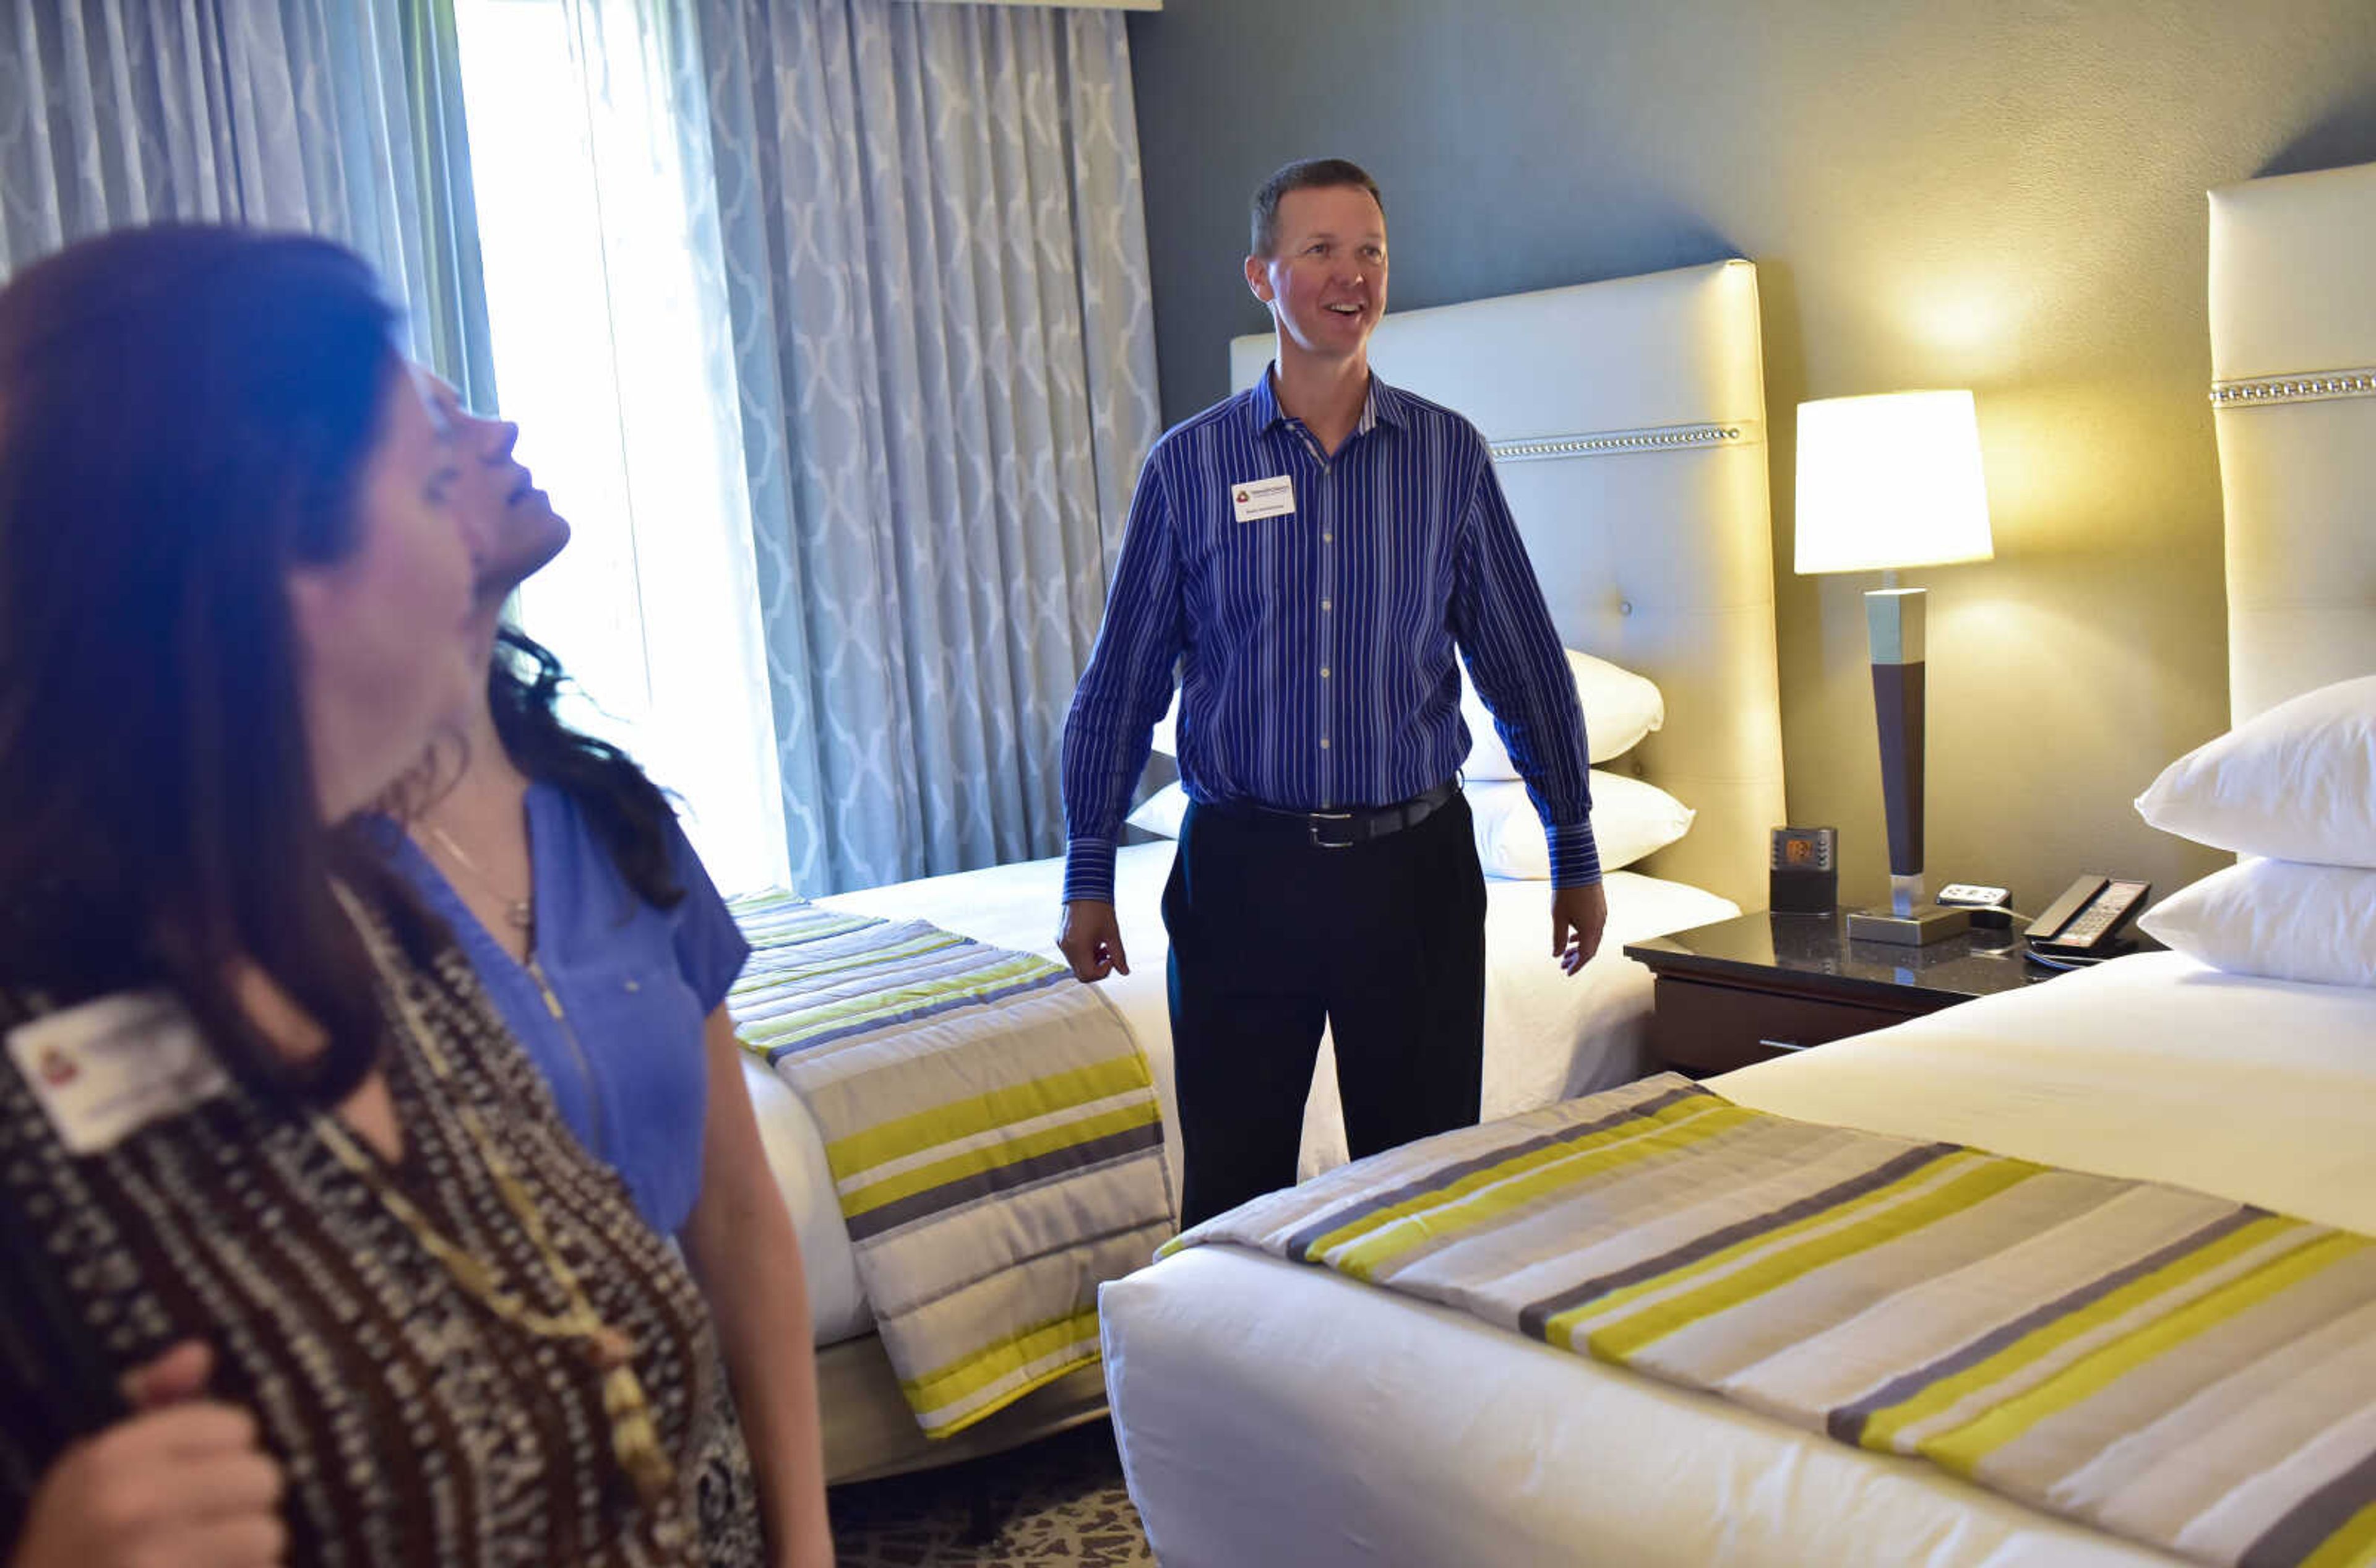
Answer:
(1918, 927)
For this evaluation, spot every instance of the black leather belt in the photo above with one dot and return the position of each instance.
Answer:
(1354, 824)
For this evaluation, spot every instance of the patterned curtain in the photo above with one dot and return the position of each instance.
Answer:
(340, 116)
(936, 267)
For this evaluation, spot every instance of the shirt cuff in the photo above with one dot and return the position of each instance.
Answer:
(1089, 871)
(1576, 855)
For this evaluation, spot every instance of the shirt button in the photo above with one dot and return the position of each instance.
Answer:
(1323, 742)
(1323, 671)
(1327, 538)
(634, 986)
(1323, 604)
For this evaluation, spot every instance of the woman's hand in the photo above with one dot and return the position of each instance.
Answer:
(814, 1548)
(742, 1249)
(184, 1481)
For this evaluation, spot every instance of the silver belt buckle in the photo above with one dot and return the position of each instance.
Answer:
(1311, 826)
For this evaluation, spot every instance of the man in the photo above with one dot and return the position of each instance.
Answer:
(1310, 552)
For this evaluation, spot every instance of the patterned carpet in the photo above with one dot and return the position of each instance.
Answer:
(1057, 1502)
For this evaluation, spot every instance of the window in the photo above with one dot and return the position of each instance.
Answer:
(589, 159)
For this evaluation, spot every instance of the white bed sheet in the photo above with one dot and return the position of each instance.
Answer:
(1273, 1413)
(1547, 1037)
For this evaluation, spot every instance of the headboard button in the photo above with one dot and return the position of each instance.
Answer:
(1625, 607)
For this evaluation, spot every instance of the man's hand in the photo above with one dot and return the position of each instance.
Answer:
(1578, 916)
(1092, 940)
(185, 1481)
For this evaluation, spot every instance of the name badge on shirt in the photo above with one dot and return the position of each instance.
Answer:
(104, 1070)
(1259, 498)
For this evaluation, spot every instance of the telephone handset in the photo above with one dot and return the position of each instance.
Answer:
(2084, 921)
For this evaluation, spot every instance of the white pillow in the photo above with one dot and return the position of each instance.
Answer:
(1620, 707)
(1167, 732)
(2295, 783)
(1630, 819)
(2275, 917)
(1160, 813)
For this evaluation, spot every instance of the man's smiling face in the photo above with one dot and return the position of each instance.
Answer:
(1325, 278)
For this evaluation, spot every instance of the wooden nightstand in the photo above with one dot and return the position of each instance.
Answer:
(1764, 985)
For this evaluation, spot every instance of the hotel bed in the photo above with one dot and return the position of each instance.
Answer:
(1627, 420)
(1346, 1425)
(1272, 1412)
(1548, 1038)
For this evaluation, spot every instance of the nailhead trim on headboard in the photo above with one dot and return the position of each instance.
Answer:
(2315, 387)
(1603, 442)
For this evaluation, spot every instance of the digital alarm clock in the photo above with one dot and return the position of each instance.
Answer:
(1803, 877)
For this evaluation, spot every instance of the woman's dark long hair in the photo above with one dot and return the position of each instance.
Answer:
(628, 813)
(185, 413)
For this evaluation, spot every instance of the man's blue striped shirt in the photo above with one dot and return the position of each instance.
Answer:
(1315, 649)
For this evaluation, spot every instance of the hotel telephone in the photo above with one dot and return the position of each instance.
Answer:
(2085, 922)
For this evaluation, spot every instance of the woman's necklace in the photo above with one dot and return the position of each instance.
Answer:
(520, 913)
(635, 1439)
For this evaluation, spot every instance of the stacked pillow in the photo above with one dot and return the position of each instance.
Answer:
(1630, 818)
(1620, 707)
(2294, 789)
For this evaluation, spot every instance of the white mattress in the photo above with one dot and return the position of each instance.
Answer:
(1273, 1413)
(1547, 1037)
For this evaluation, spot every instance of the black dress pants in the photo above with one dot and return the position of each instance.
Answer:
(1272, 937)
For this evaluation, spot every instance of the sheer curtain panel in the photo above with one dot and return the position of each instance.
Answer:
(604, 277)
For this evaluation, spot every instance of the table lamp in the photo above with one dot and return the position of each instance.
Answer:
(1884, 482)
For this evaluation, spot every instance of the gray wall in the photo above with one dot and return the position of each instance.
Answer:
(2004, 196)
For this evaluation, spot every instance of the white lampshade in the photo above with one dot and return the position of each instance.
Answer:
(1891, 481)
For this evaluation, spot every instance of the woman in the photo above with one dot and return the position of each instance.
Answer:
(596, 930)
(300, 1263)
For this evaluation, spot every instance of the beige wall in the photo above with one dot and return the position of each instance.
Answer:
(2004, 197)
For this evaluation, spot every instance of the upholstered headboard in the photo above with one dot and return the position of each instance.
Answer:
(2293, 365)
(1628, 421)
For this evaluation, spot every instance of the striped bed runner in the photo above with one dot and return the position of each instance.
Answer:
(2189, 1371)
(993, 1132)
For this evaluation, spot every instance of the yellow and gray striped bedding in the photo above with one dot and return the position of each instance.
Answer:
(2192, 1373)
(994, 1134)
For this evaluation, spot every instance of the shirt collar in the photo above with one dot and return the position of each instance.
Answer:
(1262, 401)
(1382, 405)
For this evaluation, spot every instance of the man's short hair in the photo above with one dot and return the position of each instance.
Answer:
(1305, 174)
